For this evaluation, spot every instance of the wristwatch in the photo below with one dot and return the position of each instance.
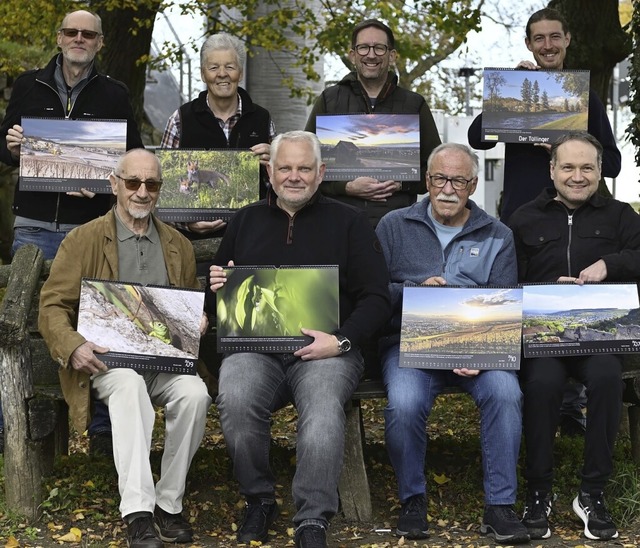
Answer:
(344, 344)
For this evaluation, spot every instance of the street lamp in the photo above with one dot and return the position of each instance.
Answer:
(467, 72)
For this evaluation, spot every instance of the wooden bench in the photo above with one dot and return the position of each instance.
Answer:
(355, 495)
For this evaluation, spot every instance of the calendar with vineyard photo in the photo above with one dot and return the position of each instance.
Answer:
(448, 327)
(63, 155)
(145, 327)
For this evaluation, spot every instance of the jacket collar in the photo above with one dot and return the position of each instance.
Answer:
(47, 74)
(351, 79)
(200, 105)
(547, 198)
(272, 200)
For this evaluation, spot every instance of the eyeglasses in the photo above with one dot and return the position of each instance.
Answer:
(378, 49)
(458, 183)
(134, 184)
(86, 34)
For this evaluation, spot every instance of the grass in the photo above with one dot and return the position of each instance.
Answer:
(83, 492)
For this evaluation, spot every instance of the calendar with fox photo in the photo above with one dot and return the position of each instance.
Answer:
(383, 146)
(567, 319)
(263, 309)
(145, 327)
(448, 327)
(63, 155)
(533, 106)
(205, 185)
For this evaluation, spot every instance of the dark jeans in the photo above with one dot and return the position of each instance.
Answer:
(543, 381)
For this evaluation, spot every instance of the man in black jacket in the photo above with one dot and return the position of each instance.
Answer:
(373, 89)
(571, 234)
(70, 86)
(297, 225)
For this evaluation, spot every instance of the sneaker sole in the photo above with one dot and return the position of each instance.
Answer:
(413, 534)
(536, 534)
(585, 519)
(515, 539)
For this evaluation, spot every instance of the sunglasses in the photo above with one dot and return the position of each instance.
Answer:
(134, 184)
(86, 34)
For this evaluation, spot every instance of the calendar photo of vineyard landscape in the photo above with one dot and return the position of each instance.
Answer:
(461, 327)
(61, 155)
(570, 319)
(533, 106)
(383, 146)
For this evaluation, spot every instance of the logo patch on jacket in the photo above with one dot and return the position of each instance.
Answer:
(474, 252)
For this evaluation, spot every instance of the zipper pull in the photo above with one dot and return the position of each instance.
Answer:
(570, 219)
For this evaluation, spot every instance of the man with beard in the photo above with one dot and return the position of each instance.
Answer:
(129, 244)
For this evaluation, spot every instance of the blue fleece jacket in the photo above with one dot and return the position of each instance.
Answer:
(483, 253)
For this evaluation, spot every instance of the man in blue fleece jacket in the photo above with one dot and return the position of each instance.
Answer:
(449, 240)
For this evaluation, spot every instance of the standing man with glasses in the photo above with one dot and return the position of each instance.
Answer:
(70, 86)
(129, 244)
(373, 89)
(449, 240)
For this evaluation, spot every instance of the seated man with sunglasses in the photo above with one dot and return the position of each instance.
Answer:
(70, 86)
(448, 240)
(131, 245)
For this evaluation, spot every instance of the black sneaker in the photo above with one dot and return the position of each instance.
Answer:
(171, 527)
(311, 536)
(141, 534)
(258, 517)
(502, 523)
(591, 509)
(413, 518)
(536, 514)
(101, 445)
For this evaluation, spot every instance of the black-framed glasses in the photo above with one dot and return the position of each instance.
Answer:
(134, 183)
(86, 34)
(458, 183)
(378, 49)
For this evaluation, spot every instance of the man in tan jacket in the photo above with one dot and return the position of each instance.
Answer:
(129, 244)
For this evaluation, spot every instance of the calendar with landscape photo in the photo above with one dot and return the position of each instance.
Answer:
(571, 319)
(147, 328)
(382, 146)
(461, 327)
(63, 155)
(533, 106)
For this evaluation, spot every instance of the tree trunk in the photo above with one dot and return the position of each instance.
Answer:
(264, 74)
(126, 42)
(23, 467)
(597, 39)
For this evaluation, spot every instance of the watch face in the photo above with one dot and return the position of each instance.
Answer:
(345, 344)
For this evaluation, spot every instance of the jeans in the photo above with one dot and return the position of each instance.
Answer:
(49, 242)
(251, 387)
(46, 240)
(411, 393)
(543, 381)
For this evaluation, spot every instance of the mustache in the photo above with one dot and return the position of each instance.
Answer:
(453, 199)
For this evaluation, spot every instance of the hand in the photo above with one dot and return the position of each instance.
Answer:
(14, 138)
(435, 280)
(543, 145)
(323, 346)
(262, 151)
(372, 189)
(594, 273)
(204, 227)
(83, 358)
(82, 193)
(464, 372)
(217, 276)
(204, 324)
(528, 65)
